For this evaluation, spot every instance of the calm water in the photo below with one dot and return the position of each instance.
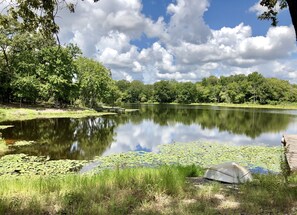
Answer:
(146, 129)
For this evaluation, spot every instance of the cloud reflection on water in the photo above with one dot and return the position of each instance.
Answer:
(149, 135)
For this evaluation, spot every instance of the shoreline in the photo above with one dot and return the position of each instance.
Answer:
(130, 189)
(288, 106)
(15, 114)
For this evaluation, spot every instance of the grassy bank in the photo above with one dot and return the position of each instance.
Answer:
(165, 190)
(289, 106)
(11, 114)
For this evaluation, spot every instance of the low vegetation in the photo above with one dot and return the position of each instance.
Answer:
(168, 182)
(286, 106)
(198, 153)
(12, 114)
(164, 190)
(23, 165)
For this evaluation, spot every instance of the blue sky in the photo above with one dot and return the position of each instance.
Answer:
(186, 40)
(220, 14)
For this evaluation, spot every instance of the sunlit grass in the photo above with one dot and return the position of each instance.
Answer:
(244, 105)
(252, 105)
(164, 190)
(11, 114)
(115, 192)
(2, 127)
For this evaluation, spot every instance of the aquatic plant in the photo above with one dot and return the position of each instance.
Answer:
(22, 165)
(199, 153)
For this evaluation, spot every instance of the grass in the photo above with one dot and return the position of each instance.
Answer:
(12, 114)
(2, 127)
(252, 105)
(269, 193)
(244, 105)
(163, 190)
(111, 192)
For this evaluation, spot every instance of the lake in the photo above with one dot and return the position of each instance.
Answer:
(144, 130)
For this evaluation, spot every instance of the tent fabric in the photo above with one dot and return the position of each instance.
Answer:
(228, 172)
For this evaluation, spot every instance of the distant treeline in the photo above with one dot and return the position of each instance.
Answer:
(253, 88)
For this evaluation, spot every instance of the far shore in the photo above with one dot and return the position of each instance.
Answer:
(288, 106)
(12, 112)
(284, 106)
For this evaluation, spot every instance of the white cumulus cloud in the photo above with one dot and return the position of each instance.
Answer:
(185, 48)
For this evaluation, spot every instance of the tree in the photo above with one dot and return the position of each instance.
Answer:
(18, 60)
(186, 93)
(56, 72)
(164, 92)
(95, 83)
(39, 14)
(255, 81)
(134, 91)
(271, 13)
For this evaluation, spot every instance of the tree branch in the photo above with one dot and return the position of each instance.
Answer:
(293, 12)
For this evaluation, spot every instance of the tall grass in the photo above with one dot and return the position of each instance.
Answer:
(163, 190)
(111, 192)
(271, 193)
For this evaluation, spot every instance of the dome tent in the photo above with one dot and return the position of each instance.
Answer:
(229, 173)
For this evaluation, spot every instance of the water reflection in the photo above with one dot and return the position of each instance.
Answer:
(249, 122)
(64, 138)
(146, 129)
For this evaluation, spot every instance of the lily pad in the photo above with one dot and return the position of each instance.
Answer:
(198, 153)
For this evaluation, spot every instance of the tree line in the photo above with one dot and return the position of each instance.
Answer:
(237, 89)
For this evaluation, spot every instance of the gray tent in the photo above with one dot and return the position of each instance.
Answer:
(228, 172)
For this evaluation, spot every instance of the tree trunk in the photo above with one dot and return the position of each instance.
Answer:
(293, 12)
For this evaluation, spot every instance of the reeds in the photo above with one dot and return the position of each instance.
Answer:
(111, 192)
